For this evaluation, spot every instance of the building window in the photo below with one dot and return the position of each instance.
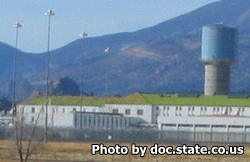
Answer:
(127, 112)
(33, 110)
(189, 110)
(176, 111)
(115, 111)
(74, 109)
(140, 112)
(157, 108)
(22, 110)
(112, 120)
(32, 119)
(164, 111)
(63, 110)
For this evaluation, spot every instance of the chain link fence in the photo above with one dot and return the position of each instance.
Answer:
(128, 135)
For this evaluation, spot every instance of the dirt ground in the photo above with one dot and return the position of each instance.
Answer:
(81, 151)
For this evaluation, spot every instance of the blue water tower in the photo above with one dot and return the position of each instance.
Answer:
(219, 45)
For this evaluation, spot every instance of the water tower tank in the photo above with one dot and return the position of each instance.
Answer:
(219, 44)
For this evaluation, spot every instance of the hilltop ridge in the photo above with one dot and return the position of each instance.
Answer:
(161, 58)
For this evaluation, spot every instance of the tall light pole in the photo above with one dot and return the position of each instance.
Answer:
(82, 35)
(16, 25)
(107, 50)
(48, 13)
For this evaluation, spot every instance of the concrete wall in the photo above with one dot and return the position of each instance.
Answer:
(104, 120)
(145, 112)
(63, 120)
(202, 110)
(61, 116)
(214, 123)
(5, 120)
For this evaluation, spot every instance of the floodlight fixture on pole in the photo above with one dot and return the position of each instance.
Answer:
(82, 35)
(16, 25)
(48, 13)
(107, 50)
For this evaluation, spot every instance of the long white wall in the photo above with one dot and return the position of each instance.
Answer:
(167, 117)
(202, 110)
(201, 118)
(206, 123)
(60, 116)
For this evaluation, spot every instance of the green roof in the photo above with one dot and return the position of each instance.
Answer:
(145, 99)
(135, 99)
(217, 100)
(71, 100)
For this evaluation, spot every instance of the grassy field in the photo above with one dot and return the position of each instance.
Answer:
(81, 151)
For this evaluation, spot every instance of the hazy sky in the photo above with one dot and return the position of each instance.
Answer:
(96, 17)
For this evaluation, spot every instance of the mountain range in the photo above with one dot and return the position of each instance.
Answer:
(161, 58)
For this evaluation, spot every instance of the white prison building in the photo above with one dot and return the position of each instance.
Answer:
(93, 113)
(167, 112)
